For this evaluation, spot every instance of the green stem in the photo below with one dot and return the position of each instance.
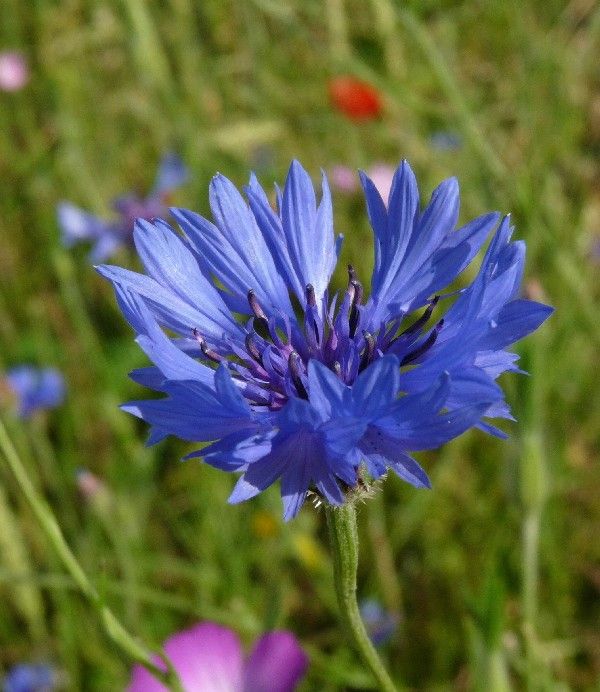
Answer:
(47, 520)
(343, 536)
(534, 491)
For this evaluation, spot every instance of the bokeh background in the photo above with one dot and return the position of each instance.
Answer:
(494, 574)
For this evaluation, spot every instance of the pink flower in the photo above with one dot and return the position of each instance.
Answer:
(344, 179)
(14, 71)
(209, 658)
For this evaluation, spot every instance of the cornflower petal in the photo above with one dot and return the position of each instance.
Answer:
(515, 320)
(170, 309)
(417, 254)
(376, 387)
(308, 231)
(393, 229)
(172, 362)
(234, 249)
(272, 230)
(190, 406)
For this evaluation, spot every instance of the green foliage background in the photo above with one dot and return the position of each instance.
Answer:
(496, 571)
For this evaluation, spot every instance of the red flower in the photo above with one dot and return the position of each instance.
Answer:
(356, 99)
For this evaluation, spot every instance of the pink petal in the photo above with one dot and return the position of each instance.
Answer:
(207, 658)
(14, 72)
(277, 664)
(142, 681)
(344, 179)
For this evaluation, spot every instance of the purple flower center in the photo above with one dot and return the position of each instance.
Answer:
(132, 207)
(274, 363)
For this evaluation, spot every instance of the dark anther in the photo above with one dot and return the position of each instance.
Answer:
(252, 349)
(311, 298)
(422, 321)
(255, 305)
(259, 314)
(368, 352)
(337, 368)
(425, 346)
(206, 351)
(356, 301)
(294, 365)
(358, 291)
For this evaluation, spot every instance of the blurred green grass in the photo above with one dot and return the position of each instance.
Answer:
(496, 570)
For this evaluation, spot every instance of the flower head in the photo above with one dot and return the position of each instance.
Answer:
(14, 71)
(354, 98)
(337, 387)
(380, 623)
(108, 236)
(35, 389)
(209, 657)
(30, 677)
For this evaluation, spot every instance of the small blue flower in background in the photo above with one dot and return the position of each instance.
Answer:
(347, 387)
(107, 237)
(380, 623)
(29, 677)
(35, 388)
(445, 141)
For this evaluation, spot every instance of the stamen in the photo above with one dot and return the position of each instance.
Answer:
(259, 314)
(425, 346)
(255, 305)
(206, 351)
(351, 274)
(356, 301)
(252, 349)
(337, 368)
(422, 321)
(350, 290)
(310, 320)
(358, 291)
(368, 352)
(294, 365)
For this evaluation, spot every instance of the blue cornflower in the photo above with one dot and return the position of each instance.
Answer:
(35, 388)
(380, 623)
(445, 141)
(29, 677)
(288, 382)
(108, 236)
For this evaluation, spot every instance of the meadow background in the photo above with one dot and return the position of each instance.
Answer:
(495, 573)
